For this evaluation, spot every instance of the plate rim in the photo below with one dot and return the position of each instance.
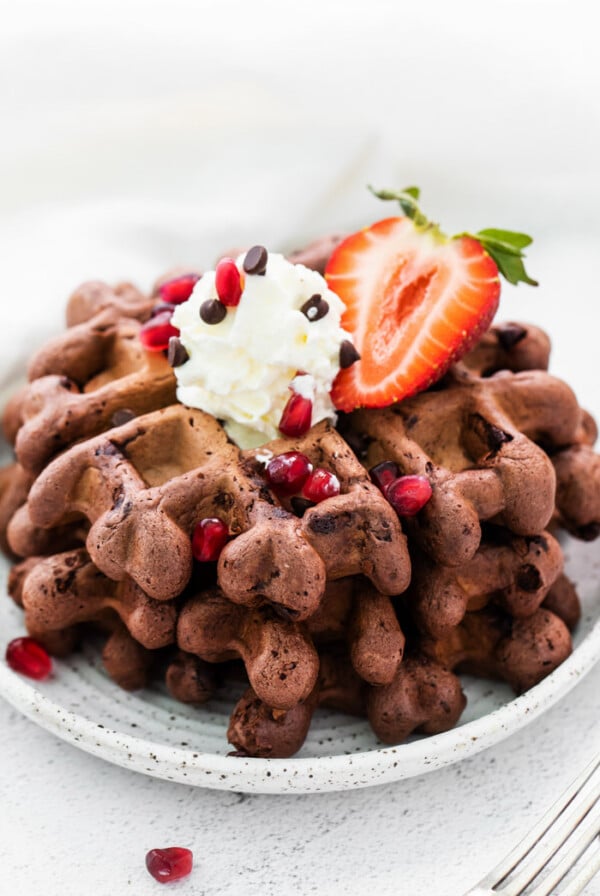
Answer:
(300, 774)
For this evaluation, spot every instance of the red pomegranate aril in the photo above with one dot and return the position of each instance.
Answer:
(179, 289)
(172, 863)
(209, 538)
(297, 416)
(383, 474)
(26, 656)
(155, 333)
(409, 494)
(321, 484)
(228, 282)
(288, 472)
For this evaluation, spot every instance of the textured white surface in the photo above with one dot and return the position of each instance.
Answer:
(489, 110)
(72, 824)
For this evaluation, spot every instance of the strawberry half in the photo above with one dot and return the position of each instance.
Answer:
(415, 300)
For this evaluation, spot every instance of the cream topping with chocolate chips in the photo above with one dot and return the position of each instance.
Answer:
(241, 367)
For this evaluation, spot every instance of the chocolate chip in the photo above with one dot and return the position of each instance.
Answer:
(161, 308)
(177, 354)
(212, 311)
(497, 437)
(63, 585)
(256, 259)
(324, 525)
(122, 416)
(510, 334)
(315, 308)
(492, 435)
(65, 383)
(359, 443)
(529, 578)
(348, 354)
(301, 505)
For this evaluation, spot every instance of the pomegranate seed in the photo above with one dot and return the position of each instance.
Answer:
(172, 863)
(384, 474)
(179, 289)
(155, 333)
(26, 656)
(288, 472)
(228, 282)
(321, 484)
(209, 538)
(409, 494)
(297, 416)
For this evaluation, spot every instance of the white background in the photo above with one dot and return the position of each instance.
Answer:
(129, 129)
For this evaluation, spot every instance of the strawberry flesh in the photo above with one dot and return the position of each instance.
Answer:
(415, 303)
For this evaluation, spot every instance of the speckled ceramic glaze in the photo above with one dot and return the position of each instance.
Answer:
(151, 733)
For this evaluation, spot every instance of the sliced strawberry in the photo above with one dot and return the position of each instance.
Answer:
(415, 302)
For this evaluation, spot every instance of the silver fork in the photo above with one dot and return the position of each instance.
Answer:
(572, 814)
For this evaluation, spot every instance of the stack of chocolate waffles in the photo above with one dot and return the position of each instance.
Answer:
(340, 604)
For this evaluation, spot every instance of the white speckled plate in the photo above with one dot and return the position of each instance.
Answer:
(151, 733)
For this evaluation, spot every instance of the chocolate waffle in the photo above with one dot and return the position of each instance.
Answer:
(66, 595)
(475, 439)
(425, 696)
(143, 486)
(487, 643)
(280, 659)
(513, 572)
(256, 729)
(61, 592)
(305, 596)
(132, 666)
(354, 612)
(81, 383)
(518, 347)
(14, 489)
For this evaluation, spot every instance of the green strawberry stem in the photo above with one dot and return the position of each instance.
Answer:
(504, 246)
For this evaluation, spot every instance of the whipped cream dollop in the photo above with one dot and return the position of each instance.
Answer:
(244, 368)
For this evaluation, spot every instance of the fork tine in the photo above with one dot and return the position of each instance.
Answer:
(562, 868)
(553, 843)
(508, 864)
(591, 868)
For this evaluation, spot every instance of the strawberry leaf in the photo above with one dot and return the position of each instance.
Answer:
(506, 248)
(491, 243)
(508, 237)
(510, 266)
